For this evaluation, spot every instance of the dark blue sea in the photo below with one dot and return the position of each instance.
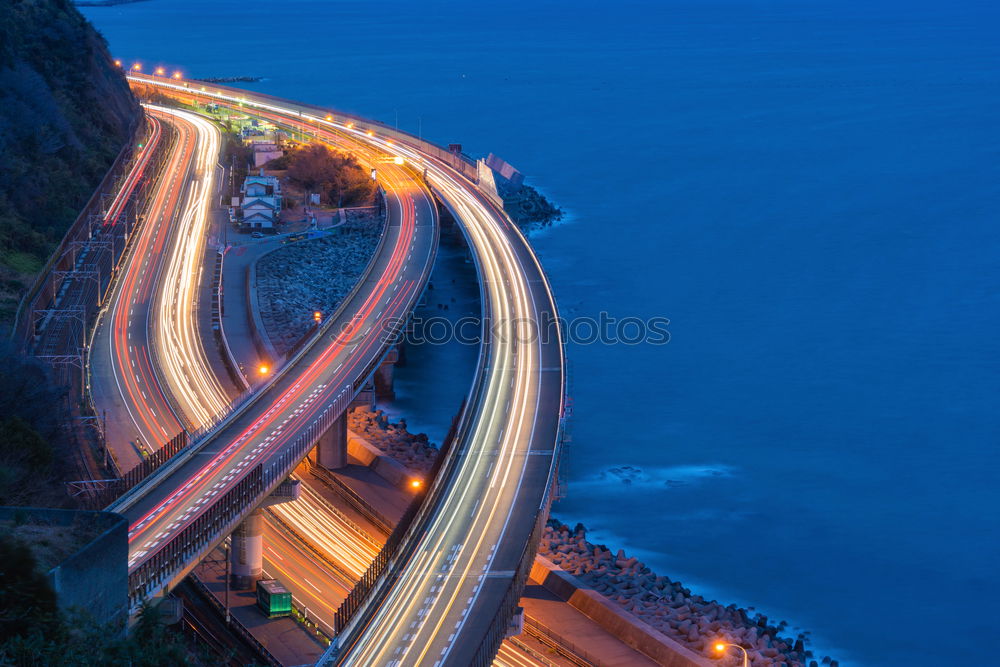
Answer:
(808, 189)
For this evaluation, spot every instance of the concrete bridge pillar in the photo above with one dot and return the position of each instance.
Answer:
(331, 449)
(383, 377)
(246, 555)
(365, 398)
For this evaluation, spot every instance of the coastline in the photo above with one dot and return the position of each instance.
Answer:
(670, 607)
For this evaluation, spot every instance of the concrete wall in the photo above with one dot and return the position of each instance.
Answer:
(95, 576)
(384, 466)
(630, 629)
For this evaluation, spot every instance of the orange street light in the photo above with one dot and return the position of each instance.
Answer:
(263, 369)
(137, 67)
(416, 484)
(317, 316)
(177, 75)
(349, 126)
(370, 133)
(118, 63)
(159, 71)
(721, 647)
(329, 117)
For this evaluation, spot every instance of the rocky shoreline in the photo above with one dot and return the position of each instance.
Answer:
(664, 604)
(415, 452)
(529, 208)
(300, 278)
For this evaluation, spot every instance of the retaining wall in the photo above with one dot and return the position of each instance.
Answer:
(631, 630)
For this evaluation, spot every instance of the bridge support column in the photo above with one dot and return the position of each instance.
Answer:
(331, 449)
(246, 557)
(384, 375)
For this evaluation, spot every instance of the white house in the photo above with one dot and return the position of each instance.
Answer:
(260, 202)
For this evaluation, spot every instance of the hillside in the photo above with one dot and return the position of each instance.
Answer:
(65, 113)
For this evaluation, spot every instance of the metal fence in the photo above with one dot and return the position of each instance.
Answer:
(219, 517)
(58, 312)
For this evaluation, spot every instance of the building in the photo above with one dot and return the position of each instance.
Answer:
(264, 152)
(260, 202)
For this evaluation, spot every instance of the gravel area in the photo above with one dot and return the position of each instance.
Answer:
(302, 277)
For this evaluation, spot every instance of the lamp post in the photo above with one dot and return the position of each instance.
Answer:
(721, 648)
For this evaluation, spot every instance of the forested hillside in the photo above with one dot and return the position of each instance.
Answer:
(65, 113)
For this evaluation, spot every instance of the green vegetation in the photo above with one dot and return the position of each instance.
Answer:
(337, 177)
(31, 418)
(34, 632)
(65, 113)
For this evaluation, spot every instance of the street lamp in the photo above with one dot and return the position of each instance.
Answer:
(416, 484)
(263, 369)
(317, 316)
(721, 647)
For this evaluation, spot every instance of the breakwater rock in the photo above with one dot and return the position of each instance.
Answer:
(414, 451)
(668, 606)
(529, 208)
(300, 278)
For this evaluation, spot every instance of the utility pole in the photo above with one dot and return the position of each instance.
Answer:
(227, 585)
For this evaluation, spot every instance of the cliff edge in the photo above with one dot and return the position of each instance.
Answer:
(65, 113)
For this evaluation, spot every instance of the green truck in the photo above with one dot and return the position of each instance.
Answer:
(273, 599)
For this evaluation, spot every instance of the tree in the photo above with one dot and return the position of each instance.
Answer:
(27, 603)
(315, 168)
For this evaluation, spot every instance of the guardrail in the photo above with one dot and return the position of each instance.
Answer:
(202, 435)
(362, 506)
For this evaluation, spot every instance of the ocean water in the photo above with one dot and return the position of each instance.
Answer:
(808, 190)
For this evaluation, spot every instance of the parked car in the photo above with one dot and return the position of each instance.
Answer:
(257, 235)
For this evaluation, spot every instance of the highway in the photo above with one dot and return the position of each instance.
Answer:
(442, 605)
(139, 417)
(168, 318)
(325, 372)
(178, 341)
(461, 575)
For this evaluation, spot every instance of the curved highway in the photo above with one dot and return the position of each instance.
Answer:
(325, 374)
(154, 311)
(139, 417)
(456, 582)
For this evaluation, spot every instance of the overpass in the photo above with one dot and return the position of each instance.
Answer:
(449, 593)
(194, 501)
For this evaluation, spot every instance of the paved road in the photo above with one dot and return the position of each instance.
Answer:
(139, 416)
(460, 571)
(444, 600)
(294, 399)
